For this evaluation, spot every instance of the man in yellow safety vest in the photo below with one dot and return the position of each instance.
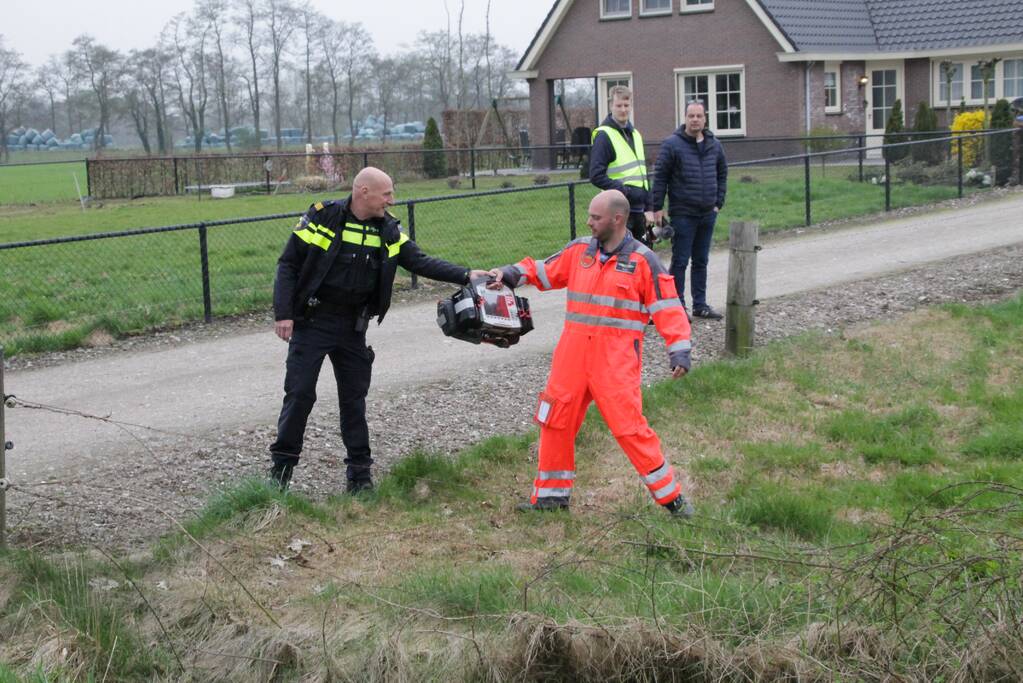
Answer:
(618, 161)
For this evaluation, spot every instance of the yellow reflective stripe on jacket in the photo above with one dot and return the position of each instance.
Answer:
(360, 238)
(393, 249)
(319, 228)
(311, 237)
(629, 166)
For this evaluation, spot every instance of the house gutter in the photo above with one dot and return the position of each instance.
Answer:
(806, 79)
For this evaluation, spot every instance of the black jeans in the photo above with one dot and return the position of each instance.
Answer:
(332, 335)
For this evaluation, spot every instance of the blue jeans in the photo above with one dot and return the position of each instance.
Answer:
(692, 241)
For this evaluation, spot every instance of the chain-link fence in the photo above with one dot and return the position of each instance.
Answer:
(66, 292)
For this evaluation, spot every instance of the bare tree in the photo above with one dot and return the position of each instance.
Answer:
(213, 13)
(62, 68)
(12, 70)
(249, 16)
(135, 99)
(346, 50)
(102, 67)
(281, 22)
(188, 37)
(310, 20)
(150, 72)
(46, 82)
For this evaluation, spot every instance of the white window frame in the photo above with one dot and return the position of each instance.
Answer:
(617, 15)
(602, 103)
(835, 68)
(968, 62)
(686, 8)
(1018, 77)
(644, 12)
(710, 72)
(939, 83)
(992, 84)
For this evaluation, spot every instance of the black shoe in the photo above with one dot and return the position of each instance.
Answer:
(544, 504)
(706, 311)
(279, 475)
(680, 508)
(353, 486)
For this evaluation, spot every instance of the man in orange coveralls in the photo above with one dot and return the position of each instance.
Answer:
(615, 285)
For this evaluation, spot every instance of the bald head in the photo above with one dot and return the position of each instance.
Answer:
(372, 193)
(609, 213)
(617, 204)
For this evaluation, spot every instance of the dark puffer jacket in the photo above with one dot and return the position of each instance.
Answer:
(694, 176)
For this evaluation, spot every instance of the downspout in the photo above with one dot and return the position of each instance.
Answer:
(809, 67)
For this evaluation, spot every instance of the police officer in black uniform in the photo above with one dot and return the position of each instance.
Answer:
(337, 271)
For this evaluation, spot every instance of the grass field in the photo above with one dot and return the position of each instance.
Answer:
(59, 295)
(860, 503)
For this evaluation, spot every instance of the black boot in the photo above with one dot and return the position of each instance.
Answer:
(544, 504)
(280, 472)
(280, 475)
(680, 508)
(353, 486)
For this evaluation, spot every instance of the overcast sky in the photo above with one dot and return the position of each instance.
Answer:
(39, 30)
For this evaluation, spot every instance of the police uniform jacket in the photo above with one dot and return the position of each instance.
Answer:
(314, 246)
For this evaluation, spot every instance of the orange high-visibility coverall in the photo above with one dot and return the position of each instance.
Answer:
(599, 356)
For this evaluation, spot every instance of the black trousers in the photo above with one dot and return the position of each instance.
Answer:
(330, 335)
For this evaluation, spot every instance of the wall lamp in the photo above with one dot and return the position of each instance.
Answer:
(862, 80)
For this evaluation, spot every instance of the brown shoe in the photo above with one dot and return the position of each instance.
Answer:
(544, 504)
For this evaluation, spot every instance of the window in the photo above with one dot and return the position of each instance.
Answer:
(697, 5)
(648, 7)
(1012, 78)
(977, 84)
(615, 9)
(885, 88)
(604, 84)
(956, 71)
(832, 88)
(721, 91)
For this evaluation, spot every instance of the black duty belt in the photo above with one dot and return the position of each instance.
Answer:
(316, 307)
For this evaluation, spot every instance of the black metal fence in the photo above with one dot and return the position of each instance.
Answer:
(82, 289)
(320, 172)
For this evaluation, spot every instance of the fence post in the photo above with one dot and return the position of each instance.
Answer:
(571, 212)
(3, 458)
(863, 143)
(806, 185)
(204, 260)
(177, 187)
(365, 159)
(472, 165)
(88, 178)
(266, 168)
(887, 184)
(740, 321)
(412, 236)
(959, 163)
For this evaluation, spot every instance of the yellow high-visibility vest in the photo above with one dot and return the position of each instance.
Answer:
(629, 166)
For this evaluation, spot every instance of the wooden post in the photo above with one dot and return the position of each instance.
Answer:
(743, 243)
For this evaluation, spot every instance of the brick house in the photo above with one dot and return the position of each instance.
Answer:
(773, 67)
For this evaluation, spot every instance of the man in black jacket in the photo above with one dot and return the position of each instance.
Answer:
(618, 161)
(692, 171)
(337, 271)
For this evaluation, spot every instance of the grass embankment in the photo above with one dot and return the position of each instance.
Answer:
(859, 498)
(61, 296)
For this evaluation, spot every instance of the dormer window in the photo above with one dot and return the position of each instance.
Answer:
(615, 9)
(697, 5)
(653, 7)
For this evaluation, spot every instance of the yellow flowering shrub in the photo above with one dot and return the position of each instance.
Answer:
(969, 121)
